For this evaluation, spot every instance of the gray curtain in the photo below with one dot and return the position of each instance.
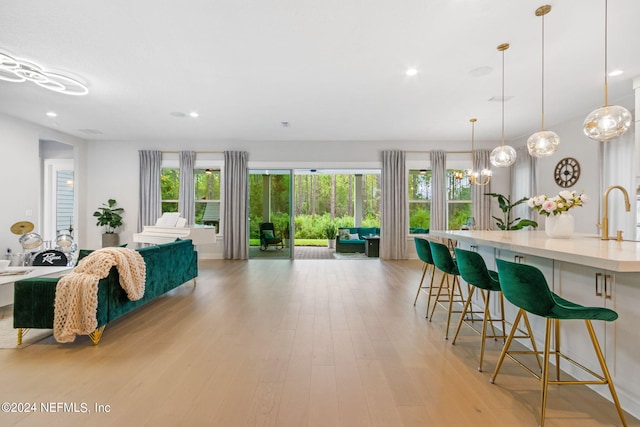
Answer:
(394, 226)
(235, 205)
(438, 190)
(481, 204)
(186, 203)
(523, 182)
(149, 200)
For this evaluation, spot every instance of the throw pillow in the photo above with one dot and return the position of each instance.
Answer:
(268, 234)
(343, 233)
(354, 236)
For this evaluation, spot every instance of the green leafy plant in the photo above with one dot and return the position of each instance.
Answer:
(109, 216)
(506, 223)
(330, 230)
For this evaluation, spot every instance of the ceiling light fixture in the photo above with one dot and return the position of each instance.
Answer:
(610, 121)
(504, 155)
(194, 115)
(18, 70)
(545, 142)
(484, 176)
(411, 72)
(51, 114)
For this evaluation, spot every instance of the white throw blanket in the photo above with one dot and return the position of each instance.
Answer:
(76, 301)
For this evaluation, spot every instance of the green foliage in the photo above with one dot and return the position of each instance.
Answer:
(108, 216)
(330, 230)
(419, 217)
(505, 223)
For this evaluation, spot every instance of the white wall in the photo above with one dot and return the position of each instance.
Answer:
(20, 174)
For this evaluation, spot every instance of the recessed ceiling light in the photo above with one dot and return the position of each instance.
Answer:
(411, 72)
(51, 114)
(615, 73)
(194, 115)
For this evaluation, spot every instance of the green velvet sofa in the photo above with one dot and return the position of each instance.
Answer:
(168, 266)
(351, 240)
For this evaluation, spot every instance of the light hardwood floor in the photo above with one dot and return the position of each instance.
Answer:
(286, 343)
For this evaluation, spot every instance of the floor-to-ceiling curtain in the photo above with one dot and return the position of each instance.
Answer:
(149, 200)
(394, 226)
(481, 204)
(524, 183)
(186, 202)
(235, 211)
(438, 190)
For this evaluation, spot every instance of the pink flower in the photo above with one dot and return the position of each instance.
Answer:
(549, 206)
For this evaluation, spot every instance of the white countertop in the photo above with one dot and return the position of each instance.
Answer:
(582, 249)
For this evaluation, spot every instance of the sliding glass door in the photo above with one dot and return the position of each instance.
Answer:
(270, 225)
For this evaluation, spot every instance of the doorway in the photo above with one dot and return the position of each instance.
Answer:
(270, 217)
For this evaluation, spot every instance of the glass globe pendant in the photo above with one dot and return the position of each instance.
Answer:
(504, 155)
(543, 143)
(607, 123)
(611, 121)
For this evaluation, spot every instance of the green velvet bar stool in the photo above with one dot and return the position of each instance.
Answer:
(424, 253)
(474, 271)
(526, 287)
(444, 262)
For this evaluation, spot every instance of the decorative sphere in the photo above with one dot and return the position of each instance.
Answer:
(607, 123)
(503, 156)
(543, 143)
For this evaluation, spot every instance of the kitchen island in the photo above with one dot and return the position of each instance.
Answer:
(588, 271)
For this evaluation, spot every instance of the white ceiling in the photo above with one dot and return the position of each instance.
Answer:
(334, 69)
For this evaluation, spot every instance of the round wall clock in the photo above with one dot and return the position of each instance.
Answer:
(567, 172)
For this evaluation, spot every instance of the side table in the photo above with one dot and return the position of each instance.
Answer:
(372, 246)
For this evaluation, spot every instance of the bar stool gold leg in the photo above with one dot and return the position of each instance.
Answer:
(605, 370)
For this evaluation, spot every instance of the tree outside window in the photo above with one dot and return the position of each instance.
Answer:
(206, 194)
(207, 197)
(458, 199)
(169, 189)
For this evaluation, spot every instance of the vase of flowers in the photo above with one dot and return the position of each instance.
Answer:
(559, 223)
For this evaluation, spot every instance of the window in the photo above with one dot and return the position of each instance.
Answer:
(458, 199)
(207, 197)
(169, 189)
(206, 194)
(419, 198)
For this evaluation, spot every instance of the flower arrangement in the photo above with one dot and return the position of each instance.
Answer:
(564, 201)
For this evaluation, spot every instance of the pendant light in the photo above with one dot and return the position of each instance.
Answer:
(611, 121)
(545, 142)
(484, 176)
(504, 155)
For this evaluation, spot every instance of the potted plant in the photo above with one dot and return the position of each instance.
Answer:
(110, 218)
(330, 231)
(506, 223)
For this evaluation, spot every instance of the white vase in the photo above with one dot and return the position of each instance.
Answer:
(559, 226)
